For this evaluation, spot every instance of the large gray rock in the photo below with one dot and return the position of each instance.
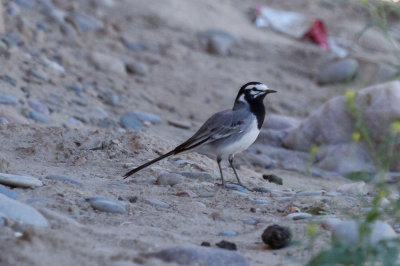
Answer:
(202, 256)
(217, 41)
(333, 123)
(345, 158)
(347, 232)
(343, 70)
(15, 210)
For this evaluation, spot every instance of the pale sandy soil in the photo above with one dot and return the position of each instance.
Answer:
(184, 83)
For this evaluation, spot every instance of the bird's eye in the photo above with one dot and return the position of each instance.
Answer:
(254, 89)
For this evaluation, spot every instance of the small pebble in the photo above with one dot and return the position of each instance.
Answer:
(3, 120)
(205, 244)
(206, 195)
(243, 194)
(252, 221)
(107, 205)
(158, 203)
(137, 68)
(261, 201)
(186, 193)
(86, 22)
(310, 193)
(227, 233)
(63, 178)
(38, 106)
(299, 216)
(196, 175)
(235, 187)
(226, 245)
(262, 189)
(111, 98)
(169, 179)
(39, 117)
(8, 99)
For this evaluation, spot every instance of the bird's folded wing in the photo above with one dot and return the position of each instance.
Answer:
(218, 126)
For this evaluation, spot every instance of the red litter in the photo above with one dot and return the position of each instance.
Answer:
(318, 34)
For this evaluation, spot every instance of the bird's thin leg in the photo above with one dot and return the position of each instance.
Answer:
(234, 170)
(220, 170)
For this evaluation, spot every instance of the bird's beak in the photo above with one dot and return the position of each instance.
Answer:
(269, 91)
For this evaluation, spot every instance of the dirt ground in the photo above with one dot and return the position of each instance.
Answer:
(183, 83)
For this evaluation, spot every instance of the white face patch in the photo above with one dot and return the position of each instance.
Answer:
(256, 89)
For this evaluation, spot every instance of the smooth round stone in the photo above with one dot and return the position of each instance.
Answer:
(243, 194)
(144, 117)
(19, 180)
(86, 22)
(309, 193)
(137, 68)
(8, 99)
(131, 121)
(8, 192)
(98, 112)
(169, 179)
(235, 187)
(39, 107)
(158, 203)
(15, 210)
(228, 233)
(202, 256)
(107, 205)
(339, 71)
(206, 194)
(196, 175)
(111, 98)
(261, 201)
(252, 221)
(63, 178)
(299, 216)
(262, 189)
(39, 117)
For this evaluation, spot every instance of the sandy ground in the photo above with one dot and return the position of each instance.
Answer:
(186, 84)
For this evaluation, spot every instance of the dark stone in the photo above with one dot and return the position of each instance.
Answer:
(273, 179)
(226, 245)
(205, 244)
(276, 236)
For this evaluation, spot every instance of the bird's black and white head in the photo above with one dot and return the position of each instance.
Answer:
(253, 92)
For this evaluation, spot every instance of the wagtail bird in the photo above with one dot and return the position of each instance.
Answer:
(228, 132)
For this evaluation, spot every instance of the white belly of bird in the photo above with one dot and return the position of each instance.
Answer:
(243, 143)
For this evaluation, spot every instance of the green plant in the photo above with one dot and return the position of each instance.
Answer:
(363, 252)
(379, 12)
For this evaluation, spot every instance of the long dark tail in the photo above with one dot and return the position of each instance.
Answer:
(137, 169)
